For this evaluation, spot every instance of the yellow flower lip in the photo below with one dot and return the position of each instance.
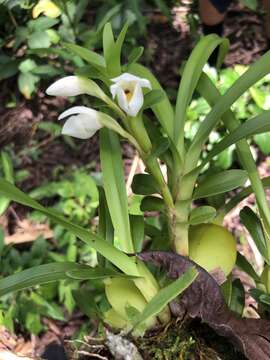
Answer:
(128, 94)
(127, 88)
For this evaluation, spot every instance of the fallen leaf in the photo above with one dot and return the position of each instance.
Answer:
(203, 299)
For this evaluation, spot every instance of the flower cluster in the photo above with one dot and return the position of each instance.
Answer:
(83, 122)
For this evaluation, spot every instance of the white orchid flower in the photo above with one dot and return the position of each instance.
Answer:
(83, 122)
(128, 90)
(76, 85)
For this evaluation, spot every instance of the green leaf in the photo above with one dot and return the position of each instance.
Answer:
(209, 91)
(144, 184)
(261, 297)
(42, 23)
(114, 186)
(33, 323)
(91, 57)
(190, 77)
(135, 54)
(255, 228)
(237, 302)
(202, 214)
(27, 65)
(167, 294)
(46, 71)
(46, 308)
(7, 168)
(152, 203)
(251, 4)
(112, 49)
(255, 72)
(2, 240)
(84, 300)
(137, 230)
(105, 226)
(27, 84)
(37, 275)
(265, 299)
(110, 52)
(8, 68)
(226, 289)
(220, 183)
(243, 194)
(244, 265)
(256, 125)
(39, 39)
(118, 258)
(263, 141)
(152, 98)
(87, 273)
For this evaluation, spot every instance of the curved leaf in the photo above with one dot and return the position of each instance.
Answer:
(115, 256)
(256, 71)
(220, 183)
(37, 275)
(190, 77)
(167, 294)
(255, 228)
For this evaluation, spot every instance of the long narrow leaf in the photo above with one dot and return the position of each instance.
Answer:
(208, 90)
(255, 228)
(37, 275)
(109, 50)
(114, 186)
(244, 265)
(115, 256)
(90, 56)
(167, 294)
(256, 71)
(190, 78)
(242, 195)
(257, 125)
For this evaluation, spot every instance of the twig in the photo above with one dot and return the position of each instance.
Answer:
(82, 352)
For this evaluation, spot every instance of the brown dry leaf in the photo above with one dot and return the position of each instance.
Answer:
(203, 299)
(28, 231)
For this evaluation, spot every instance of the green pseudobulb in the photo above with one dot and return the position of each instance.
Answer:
(212, 247)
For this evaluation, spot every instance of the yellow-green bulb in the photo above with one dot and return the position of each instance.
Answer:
(122, 293)
(212, 246)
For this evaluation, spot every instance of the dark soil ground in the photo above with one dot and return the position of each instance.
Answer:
(166, 48)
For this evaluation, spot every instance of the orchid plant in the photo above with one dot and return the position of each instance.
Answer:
(137, 109)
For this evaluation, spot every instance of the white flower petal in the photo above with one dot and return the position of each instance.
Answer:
(81, 126)
(136, 101)
(145, 83)
(68, 86)
(122, 99)
(113, 90)
(126, 77)
(78, 110)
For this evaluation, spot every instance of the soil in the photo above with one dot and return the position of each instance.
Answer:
(166, 48)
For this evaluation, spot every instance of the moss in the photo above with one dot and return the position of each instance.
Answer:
(189, 340)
